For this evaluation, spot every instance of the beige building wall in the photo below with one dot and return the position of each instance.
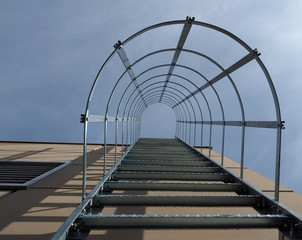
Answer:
(37, 213)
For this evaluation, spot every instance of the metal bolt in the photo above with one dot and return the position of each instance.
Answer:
(298, 225)
(83, 211)
(74, 226)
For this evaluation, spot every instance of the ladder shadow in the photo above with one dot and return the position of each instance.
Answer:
(17, 210)
(24, 154)
(128, 234)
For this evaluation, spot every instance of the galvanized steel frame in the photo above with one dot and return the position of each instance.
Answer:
(183, 120)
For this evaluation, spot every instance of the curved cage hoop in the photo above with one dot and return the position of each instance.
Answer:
(199, 97)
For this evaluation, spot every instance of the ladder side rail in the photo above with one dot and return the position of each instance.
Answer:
(63, 231)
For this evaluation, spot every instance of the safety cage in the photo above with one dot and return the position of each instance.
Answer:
(220, 92)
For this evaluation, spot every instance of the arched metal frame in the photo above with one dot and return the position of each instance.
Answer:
(176, 99)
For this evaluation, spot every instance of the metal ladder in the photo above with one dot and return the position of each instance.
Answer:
(172, 165)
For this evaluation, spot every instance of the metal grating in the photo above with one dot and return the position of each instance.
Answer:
(23, 174)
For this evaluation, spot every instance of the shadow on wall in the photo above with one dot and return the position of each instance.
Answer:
(126, 234)
(24, 154)
(158, 121)
(37, 213)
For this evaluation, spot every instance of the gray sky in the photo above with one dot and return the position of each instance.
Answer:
(52, 50)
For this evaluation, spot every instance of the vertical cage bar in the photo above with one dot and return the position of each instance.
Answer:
(242, 151)
(278, 163)
(116, 135)
(127, 131)
(201, 136)
(84, 160)
(123, 135)
(210, 139)
(190, 130)
(105, 145)
(195, 133)
(222, 147)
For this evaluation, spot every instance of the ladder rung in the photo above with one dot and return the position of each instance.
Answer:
(180, 221)
(171, 176)
(156, 154)
(166, 158)
(161, 151)
(164, 186)
(161, 168)
(177, 200)
(163, 162)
